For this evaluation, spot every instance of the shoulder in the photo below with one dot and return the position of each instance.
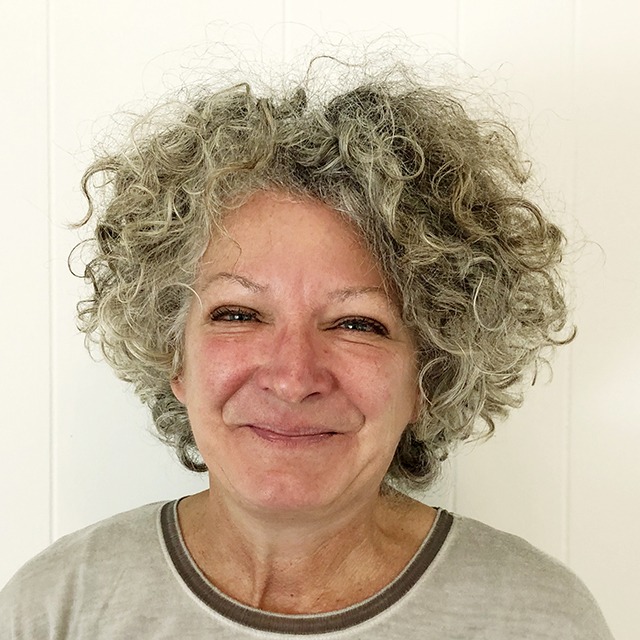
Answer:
(82, 563)
(503, 557)
(128, 531)
(503, 577)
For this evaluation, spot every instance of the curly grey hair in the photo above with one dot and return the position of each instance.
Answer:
(437, 196)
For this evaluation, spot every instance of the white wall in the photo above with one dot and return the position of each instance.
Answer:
(561, 472)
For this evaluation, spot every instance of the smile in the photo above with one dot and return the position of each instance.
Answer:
(293, 437)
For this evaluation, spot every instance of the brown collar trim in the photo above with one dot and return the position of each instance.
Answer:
(298, 624)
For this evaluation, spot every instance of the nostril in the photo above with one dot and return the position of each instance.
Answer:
(294, 369)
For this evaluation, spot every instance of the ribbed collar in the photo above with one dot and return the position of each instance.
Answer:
(320, 623)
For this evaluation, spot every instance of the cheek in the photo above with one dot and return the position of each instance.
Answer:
(384, 388)
(215, 371)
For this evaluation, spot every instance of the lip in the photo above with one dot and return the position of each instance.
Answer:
(293, 437)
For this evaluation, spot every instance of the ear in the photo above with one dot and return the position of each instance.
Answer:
(417, 405)
(177, 386)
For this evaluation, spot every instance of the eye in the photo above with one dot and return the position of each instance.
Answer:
(233, 314)
(364, 325)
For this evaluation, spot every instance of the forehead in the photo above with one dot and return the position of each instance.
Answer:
(268, 214)
(272, 233)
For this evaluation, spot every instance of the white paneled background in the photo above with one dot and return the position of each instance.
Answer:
(563, 471)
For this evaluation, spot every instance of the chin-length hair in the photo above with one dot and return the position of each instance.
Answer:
(438, 197)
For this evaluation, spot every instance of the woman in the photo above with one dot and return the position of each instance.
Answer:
(318, 297)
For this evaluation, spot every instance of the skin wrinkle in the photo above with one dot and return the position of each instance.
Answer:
(342, 294)
(311, 577)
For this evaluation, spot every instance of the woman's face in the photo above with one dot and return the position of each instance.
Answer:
(299, 376)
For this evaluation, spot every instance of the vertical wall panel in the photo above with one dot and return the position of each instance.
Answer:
(518, 481)
(107, 56)
(605, 514)
(24, 293)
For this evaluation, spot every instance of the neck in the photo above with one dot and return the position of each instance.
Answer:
(295, 564)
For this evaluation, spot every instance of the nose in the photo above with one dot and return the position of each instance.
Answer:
(295, 368)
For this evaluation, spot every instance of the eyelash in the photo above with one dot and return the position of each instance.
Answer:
(372, 326)
(240, 315)
(218, 315)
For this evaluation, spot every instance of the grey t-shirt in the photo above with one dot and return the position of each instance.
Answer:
(131, 576)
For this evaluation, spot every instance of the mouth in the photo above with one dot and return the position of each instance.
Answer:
(293, 437)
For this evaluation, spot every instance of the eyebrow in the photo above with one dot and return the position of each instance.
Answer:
(340, 294)
(353, 292)
(234, 277)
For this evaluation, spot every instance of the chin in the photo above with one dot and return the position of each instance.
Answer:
(281, 493)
